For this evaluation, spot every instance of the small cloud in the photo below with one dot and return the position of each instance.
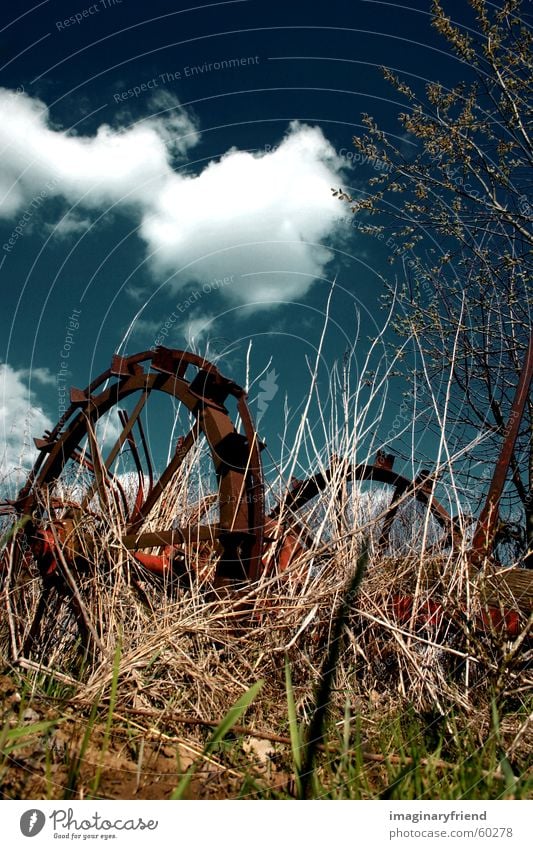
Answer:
(146, 326)
(70, 225)
(41, 375)
(21, 418)
(196, 327)
(108, 429)
(177, 128)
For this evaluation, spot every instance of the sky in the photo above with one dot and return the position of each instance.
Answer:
(165, 178)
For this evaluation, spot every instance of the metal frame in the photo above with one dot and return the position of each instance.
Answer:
(243, 533)
(235, 456)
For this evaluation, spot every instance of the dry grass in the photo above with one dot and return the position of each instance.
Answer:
(187, 655)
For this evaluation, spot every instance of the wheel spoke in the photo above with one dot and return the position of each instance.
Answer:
(381, 472)
(185, 444)
(390, 515)
(100, 472)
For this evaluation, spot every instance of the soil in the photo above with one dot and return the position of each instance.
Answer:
(135, 764)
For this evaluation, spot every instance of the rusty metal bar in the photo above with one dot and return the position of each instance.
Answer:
(127, 426)
(185, 446)
(99, 468)
(148, 458)
(173, 537)
(486, 526)
(130, 438)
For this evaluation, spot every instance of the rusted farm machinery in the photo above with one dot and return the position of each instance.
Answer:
(75, 478)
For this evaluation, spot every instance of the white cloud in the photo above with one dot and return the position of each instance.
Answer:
(264, 218)
(146, 326)
(108, 429)
(261, 217)
(41, 375)
(124, 165)
(196, 327)
(172, 123)
(21, 418)
(70, 224)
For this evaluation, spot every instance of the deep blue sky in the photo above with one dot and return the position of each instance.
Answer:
(314, 63)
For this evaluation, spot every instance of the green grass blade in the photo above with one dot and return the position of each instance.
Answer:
(223, 728)
(296, 743)
(75, 763)
(318, 720)
(12, 532)
(109, 720)
(14, 738)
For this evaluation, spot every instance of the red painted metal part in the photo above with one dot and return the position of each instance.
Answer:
(432, 614)
(157, 564)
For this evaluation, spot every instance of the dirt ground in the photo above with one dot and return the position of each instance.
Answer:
(138, 761)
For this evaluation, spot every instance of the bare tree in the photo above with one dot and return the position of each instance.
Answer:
(458, 215)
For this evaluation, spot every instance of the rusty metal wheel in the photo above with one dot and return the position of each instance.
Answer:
(107, 465)
(395, 512)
